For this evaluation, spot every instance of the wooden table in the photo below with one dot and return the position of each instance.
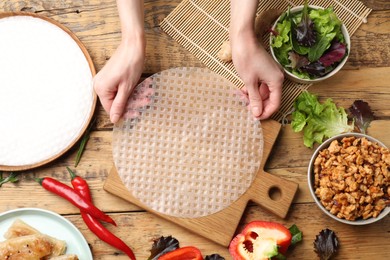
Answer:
(96, 23)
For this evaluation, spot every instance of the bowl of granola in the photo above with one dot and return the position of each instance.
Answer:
(349, 178)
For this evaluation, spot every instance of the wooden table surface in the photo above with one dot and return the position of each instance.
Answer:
(96, 23)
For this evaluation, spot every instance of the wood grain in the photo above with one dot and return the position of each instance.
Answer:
(139, 229)
(96, 23)
(288, 160)
(311, 220)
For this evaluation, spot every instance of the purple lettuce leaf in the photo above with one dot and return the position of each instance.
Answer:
(297, 61)
(316, 69)
(362, 114)
(335, 53)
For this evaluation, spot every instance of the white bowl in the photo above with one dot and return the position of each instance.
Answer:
(293, 77)
(310, 175)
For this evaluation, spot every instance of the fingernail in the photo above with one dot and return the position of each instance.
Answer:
(114, 118)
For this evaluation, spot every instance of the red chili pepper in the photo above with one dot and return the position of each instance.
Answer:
(75, 198)
(81, 186)
(183, 253)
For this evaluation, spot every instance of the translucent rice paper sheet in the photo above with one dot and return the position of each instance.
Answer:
(46, 95)
(188, 146)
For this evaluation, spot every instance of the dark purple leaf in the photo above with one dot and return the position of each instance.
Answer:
(315, 69)
(162, 246)
(335, 53)
(361, 113)
(214, 257)
(326, 244)
(297, 61)
(305, 33)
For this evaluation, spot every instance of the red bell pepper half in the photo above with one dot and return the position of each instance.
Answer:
(260, 240)
(183, 253)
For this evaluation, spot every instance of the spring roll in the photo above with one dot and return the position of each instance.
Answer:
(20, 228)
(31, 247)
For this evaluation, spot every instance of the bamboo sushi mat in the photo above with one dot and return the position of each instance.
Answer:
(201, 26)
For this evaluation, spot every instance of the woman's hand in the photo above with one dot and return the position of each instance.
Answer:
(115, 82)
(262, 76)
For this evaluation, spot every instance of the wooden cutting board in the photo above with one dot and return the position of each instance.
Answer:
(270, 192)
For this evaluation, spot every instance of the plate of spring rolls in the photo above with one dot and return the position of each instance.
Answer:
(32, 233)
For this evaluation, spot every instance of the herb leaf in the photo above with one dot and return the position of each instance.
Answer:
(83, 142)
(361, 113)
(296, 234)
(279, 256)
(12, 178)
(162, 246)
(326, 244)
(214, 257)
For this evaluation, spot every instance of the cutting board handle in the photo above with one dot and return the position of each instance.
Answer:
(273, 193)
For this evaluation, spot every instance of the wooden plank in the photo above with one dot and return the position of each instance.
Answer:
(289, 150)
(97, 25)
(370, 45)
(377, 4)
(311, 220)
(139, 229)
(369, 84)
(288, 160)
(344, 88)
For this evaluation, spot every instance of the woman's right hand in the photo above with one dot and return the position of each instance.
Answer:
(115, 82)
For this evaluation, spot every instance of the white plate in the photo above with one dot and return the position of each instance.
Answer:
(51, 224)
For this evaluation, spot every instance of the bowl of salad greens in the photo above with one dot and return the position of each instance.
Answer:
(310, 43)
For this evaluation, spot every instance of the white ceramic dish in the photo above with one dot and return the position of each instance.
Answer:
(294, 78)
(51, 224)
(310, 179)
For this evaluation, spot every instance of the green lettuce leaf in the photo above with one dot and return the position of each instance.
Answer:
(283, 55)
(301, 74)
(283, 30)
(328, 27)
(318, 121)
(320, 47)
(325, 20)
